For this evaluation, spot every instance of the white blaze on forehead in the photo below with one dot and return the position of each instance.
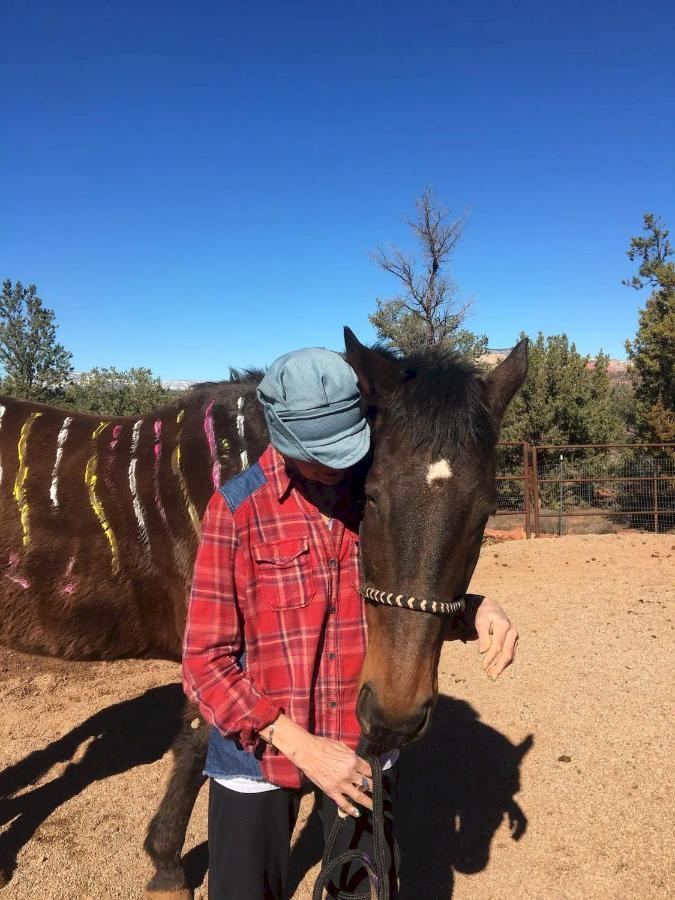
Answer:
(438, 471)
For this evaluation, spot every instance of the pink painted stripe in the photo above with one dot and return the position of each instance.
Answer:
(211, 439)
(155, 469)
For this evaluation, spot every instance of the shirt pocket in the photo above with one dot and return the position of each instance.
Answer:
(284, 573)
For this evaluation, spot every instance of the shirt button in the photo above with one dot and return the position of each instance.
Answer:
(332, 563)
(333, 704)
(331, 609)
(331, 655)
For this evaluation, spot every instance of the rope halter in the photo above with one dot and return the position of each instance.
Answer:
(439, 607)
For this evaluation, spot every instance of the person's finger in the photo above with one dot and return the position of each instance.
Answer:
(500, 628)
(345, 808)
(483, 627)
(362, 767)
(357, 795)
(505, 658)
(364, 784)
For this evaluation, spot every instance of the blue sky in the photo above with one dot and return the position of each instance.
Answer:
(198, 185)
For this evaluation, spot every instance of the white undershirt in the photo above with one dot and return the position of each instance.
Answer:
(243, 785)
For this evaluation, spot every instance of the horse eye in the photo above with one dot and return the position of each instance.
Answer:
(372, 499)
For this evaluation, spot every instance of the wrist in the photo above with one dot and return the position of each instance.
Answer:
(289, 738)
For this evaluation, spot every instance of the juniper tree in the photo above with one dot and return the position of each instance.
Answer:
(652, 351)
(34, 364)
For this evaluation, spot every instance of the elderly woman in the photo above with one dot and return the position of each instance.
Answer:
(276, 633)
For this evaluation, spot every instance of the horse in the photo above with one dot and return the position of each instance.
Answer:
(100, 523)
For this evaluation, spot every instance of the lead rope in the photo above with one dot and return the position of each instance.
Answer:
(378, 873)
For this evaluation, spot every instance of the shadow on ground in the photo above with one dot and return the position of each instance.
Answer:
(128, 734)
(456, 786)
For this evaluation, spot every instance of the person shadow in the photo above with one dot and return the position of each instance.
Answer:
(455, 787)
(124, 735)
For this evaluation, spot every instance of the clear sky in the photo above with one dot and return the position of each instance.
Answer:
(193, 185)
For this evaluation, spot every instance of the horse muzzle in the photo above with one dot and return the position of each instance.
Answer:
(386, 731)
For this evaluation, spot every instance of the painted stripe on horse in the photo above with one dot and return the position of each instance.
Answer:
(240, 431)
(2, 412)
(209, 431)
(175, 468)
(90, 478)
(22, 474)
(60, 441)
(156, 469)
(133, 485)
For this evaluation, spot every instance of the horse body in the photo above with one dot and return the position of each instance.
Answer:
(99, 519)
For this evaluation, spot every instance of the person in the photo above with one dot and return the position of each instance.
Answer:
(275, 634)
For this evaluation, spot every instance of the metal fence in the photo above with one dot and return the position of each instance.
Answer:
(627, 485)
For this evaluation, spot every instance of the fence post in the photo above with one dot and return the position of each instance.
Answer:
(656, 497)
(526, 488)
(535, 492)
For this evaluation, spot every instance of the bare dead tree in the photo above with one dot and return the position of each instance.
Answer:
(427, 310)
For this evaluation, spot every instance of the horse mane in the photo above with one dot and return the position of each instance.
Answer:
(441, 402)
(237, 376)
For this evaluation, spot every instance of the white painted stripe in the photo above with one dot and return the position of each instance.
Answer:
(2, 412)
(133, 485)
(60, 441)
(135, 499)
(135, 436)
(243, 456)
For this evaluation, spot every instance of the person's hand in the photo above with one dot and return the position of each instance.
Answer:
(497, 637)
(330, 765)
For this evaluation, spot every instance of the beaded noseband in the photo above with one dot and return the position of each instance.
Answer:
(439, 607)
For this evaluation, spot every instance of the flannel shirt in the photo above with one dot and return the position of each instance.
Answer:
(273, 582)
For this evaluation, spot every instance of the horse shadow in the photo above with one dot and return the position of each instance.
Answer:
(455, 787)
(118, 738)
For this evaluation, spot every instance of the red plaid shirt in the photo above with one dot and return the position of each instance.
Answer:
(272, 581)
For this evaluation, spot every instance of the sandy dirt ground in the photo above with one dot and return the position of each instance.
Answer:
(555, 782)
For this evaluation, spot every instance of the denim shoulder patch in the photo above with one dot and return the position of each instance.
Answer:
(239, 488)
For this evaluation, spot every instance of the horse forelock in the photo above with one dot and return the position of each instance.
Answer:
(440, 405)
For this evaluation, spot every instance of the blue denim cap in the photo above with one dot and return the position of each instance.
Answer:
(312, 408)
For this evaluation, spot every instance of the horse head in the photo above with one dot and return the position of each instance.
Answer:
(429, 490)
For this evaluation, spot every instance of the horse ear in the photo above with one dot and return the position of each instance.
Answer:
(375, 373)
(524, 747)
(506, 379)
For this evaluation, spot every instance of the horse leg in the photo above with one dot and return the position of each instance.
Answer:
(166, 832)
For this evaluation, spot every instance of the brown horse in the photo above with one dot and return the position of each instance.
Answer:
(99, 525)
(428, 494)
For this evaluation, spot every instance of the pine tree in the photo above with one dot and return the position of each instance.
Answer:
(35, 365)
(566, 399)
(652, 351)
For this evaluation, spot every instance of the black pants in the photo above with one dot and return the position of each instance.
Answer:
(250, 837)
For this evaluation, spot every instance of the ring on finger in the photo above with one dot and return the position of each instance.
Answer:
(365, 784)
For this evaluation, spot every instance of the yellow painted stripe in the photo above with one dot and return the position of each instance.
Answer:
(175, 468)
(90, 478)
(22, 475)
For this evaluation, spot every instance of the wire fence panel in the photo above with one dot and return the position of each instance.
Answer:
(628, 485)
